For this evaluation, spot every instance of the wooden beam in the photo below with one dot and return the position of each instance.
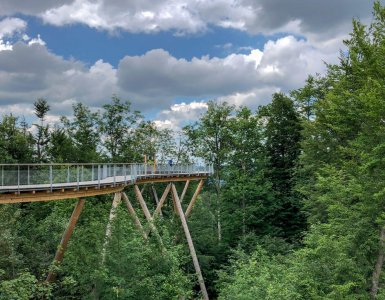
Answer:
(43, 196)
(147, 214)
(115, 204)
(133, 215)
(166, 178)
(173, 201)
(161, 201)
(143, 188)
(190, 244)
(194, 198)
(158, 209)
(65, 238)
(184, 190)
(155, 194)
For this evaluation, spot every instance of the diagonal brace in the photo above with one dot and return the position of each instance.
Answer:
(66, 236)
(190, 243)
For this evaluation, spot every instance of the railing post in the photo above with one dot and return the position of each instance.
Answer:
(28, 175)
(68, 174)
(18, 179)
(114, 170)
(99, 176)
(77, 175)
(2, 175)
(125, 173)
(50, 176)
(82, 178)
(92, 177)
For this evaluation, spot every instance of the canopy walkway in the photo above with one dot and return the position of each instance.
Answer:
(48, 182)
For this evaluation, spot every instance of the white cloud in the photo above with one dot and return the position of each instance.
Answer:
(252, 99)
(179, 115)
(324, 18)
(10, 26)
(36, 40)
(156, 79)
(5, 45)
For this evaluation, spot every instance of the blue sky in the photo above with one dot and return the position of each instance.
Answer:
(89, 45)
(167, 57)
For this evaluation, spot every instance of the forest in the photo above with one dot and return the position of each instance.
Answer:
(295, 208)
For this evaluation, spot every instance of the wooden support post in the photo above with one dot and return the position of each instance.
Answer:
(194, 198)
(190, 244)
(115, 203)
(66, 236)
(155, 196)
(147, 214)
(184, 190)
(173, 200)
(158, 209)
(143, 188)
(133, 215)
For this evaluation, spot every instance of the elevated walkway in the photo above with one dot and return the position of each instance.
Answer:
(45, 182)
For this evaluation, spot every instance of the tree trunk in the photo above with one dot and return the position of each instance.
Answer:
(219, 205)
(378, 266)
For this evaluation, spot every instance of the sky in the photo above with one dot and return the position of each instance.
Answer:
(167, 57)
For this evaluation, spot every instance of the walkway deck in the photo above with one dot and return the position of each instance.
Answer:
(52, 181)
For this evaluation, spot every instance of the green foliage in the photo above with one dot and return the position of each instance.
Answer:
(259, 276)
(24, 287)
(84, 133)
(283, 136)
(42, 135)
(16, 144)
(115, 123)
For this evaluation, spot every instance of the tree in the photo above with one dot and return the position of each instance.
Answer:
(116, 124)
(61, 147)
(210, 140)
(16, 144)
(42, 136)
(247, 193)
(283, 136)
(84, 133)
(314, 90)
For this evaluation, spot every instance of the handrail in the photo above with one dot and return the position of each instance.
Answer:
(50, 176)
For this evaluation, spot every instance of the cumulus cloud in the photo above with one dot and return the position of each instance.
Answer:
(28, 72)
(9, 26)
(10, 7)
(319, 19)
(179, 115)
(36, 40)
(156, 79)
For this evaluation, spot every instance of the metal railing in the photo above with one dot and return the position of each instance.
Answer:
(53, 175)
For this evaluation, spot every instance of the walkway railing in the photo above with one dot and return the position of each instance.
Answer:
(52, 175)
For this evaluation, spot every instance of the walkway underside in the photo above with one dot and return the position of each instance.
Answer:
(47, 192)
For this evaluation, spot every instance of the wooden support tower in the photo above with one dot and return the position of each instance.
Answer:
(103, 183)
